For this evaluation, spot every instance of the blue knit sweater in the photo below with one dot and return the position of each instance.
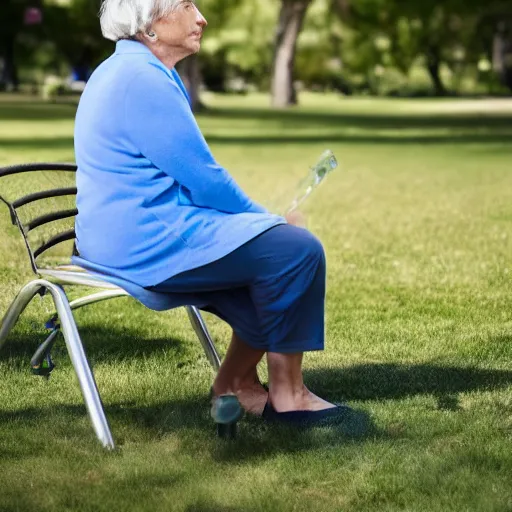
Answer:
(152, 200)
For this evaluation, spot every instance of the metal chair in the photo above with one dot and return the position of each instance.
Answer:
(53, 279)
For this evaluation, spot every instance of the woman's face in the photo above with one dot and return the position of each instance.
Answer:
(181, 29)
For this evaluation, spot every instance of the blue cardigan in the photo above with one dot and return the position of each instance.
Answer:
(152, 200)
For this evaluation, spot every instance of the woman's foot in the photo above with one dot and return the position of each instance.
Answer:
(253, 398)
(303, 400)
(252, 395)
(238, 375)
(287, 390)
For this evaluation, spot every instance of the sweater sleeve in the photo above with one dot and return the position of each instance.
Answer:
(161, 125)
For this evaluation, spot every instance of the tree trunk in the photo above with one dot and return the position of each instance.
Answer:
(290, 23)
(342, 7)
(502, 55)
(433, 66)
(190, 73)
(9, 73)
(498, 50)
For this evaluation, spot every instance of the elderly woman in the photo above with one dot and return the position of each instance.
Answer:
(157, 210)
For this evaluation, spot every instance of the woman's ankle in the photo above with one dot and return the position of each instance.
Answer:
(284, 400)
(302, 400)
(223, 387)
(237, 386)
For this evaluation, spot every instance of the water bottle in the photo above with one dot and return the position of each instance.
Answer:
(325, 165)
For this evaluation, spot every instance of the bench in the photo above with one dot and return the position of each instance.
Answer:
(54, 279)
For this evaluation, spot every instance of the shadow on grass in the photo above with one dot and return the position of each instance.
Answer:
(189, 418)
(102, 344)
(38, 143)
(36, 110)
(59, 143)
(373, 381)
(384, 120)
(407, 128)
(382, 381)
(458, 128)
(186, 417)
(484, 138)
(207, 505)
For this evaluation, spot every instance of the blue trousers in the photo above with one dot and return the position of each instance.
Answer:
(271, 290)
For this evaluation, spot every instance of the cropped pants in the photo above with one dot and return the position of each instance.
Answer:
(271, 290)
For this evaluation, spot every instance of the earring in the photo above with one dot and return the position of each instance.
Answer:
(152, 35)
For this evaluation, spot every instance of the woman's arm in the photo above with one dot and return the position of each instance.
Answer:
(160, 124)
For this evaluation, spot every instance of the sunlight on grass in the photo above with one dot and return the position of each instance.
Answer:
(417, 227)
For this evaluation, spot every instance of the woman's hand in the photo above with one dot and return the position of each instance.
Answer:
(296, 218)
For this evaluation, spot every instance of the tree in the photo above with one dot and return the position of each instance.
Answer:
(13, 21)
(242, 47)
(190, 72)
(502, 53)
(495, 39)
(80, 43)
(291, 19)
(437, 32)
(217, 13)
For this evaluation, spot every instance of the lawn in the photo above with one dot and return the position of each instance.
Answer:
(417, 227)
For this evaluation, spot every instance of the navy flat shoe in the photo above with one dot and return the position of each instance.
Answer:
(307, 418)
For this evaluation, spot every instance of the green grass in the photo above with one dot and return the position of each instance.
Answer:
(417, 227)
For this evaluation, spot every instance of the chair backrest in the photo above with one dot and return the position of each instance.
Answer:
(36, 220)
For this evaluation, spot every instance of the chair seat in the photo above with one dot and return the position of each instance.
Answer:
(74, 275)
(78, 275)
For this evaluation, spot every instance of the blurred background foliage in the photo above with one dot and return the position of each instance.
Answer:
(370, 47)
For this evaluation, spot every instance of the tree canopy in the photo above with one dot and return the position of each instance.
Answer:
(354, 46)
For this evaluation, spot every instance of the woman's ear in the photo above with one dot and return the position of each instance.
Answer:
(150, 35)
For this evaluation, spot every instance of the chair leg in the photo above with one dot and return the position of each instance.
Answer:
(18, 305)
(83, 372)
(97, 297)
(201, 330)
(41, 362)
(75, 350)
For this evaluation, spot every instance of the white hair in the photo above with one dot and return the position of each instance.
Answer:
(123, 19)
